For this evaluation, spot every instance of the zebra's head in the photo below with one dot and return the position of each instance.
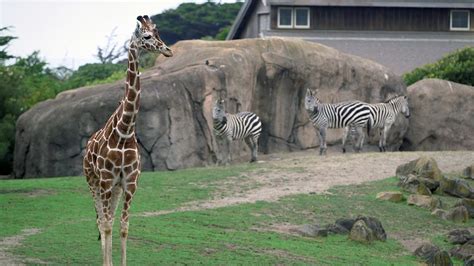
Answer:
(218, 111)
(311, 101)
(401, 103)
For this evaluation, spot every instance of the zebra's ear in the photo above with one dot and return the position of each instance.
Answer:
(406, 97)
(308, 92)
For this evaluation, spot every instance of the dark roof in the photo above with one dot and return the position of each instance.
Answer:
(238, 24)
(379, 3)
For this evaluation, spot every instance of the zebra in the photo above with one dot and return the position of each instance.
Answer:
(339, 115)
(383, 115)
(243, 125)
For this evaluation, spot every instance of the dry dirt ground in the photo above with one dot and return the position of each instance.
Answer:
(306, 172)
(288, 174)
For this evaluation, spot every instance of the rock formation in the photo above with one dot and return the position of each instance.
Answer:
(174, 127)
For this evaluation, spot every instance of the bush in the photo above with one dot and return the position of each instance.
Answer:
(456, 67)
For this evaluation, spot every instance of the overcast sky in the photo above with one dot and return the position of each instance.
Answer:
(67, 32)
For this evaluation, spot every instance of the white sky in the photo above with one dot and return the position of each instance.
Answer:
(67, 32)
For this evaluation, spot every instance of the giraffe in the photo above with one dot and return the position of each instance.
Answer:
(112, 161)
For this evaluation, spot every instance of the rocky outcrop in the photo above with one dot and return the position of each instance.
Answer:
(433, 255)
(174, 126)
(448, 108)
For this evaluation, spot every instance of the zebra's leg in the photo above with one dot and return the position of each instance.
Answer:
(228, 142)
(322, 141)
(360, 138)
(385, 134)
(344, 138)
(381, 139)
(250, 142)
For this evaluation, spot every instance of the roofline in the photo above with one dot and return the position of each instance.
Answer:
(239, 19)
(375, 3)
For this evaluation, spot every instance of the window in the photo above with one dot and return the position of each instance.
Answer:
(293, 17)
(301, 18)
(285, 17)
(460, 20)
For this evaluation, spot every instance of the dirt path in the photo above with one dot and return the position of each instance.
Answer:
(8, 243)
(305, 172)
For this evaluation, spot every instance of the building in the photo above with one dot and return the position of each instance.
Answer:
(400, 34)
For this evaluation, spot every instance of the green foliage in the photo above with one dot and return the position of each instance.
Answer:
(195, 21)
(93, 73)
(457, 67)
(238, 234)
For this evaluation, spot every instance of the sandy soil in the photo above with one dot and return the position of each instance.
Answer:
(305, 172)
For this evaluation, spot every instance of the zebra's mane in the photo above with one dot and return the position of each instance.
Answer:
(393, 98)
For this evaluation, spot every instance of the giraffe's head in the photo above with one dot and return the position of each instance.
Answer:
(218, 111)
(311, 102)
(147, 38)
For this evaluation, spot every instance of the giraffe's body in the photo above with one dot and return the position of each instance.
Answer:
(112, 160)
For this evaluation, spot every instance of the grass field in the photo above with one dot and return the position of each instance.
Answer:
(250, 233)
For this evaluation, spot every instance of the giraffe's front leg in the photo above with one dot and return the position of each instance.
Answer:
(130, 187)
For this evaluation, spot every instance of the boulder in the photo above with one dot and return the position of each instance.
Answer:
(365, 229)
(469, 172)
(458, 215)
(418, 185)
(469, 204)
(459, 236)
(456, 187)
(440, 213)
(448, 108)
(463, 252)
(174, 127)
(432, 255)
(424, 201)
(393, 196)
(424, 167)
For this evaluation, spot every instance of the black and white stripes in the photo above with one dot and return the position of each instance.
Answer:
(244, 125)
(339, 115)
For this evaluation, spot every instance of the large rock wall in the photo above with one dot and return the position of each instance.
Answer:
(442, 116)
(174, 126)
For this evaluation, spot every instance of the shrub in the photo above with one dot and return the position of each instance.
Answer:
(457, 67)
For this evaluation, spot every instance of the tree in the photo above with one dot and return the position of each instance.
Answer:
(110, 52)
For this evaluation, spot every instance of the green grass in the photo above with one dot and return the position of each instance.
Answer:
(62, 208)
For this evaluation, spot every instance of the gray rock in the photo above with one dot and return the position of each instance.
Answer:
(174, 126)
(375, 225)
(432, 255)
(423, 167)
(469, 204)
(424, 201)
(444, 131)
(469, 172)
(459, 236)
(469, 261)
(456, 187)
(393, 196)
(360, 232)
(463, 252)
(458, 215)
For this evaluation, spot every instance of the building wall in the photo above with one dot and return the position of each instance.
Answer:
(376, 18)
(252, 25)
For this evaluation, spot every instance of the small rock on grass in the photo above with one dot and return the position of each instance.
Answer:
(424, 201)
(432, 255)
(393, 196)
(459, 236)
(463, 252)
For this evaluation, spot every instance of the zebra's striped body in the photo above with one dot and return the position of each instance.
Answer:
(339, 115)
(383, 115)
(244, 125)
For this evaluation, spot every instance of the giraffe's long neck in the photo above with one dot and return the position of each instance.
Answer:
(128, 110)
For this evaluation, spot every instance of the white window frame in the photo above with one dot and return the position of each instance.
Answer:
(468, 20)
(294, 18)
